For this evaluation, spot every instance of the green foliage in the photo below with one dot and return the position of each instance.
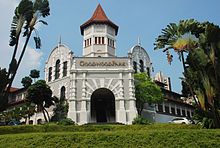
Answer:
(3, 79)
(26, 81)
(66, 121)
(34, 73)
(40, 94)
(3, 84)
(155, 135)
(60, 111)
(201, 70)
(23, 13)
(146, 91)
(18, 112)
(27, 15)
(141, 120)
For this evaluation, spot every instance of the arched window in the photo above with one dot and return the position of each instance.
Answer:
(64, 69)
(50, 74)
(57, 69)
(141, 66)
(148, 71)
(135, 66)
(62, 93)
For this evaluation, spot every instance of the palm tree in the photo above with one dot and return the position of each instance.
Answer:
(34, 74)
(201, 70)
(181, 38)
(27, 15)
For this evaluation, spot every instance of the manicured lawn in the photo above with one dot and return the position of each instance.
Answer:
(156, 135)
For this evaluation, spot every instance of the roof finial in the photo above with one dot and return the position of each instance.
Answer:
(139, 41)
(60, 40)
(98, 1)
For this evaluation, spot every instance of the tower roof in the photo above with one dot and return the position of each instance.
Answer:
(99, 17)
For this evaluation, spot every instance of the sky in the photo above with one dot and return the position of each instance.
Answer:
(136, 18)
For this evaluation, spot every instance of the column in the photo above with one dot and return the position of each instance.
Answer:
(175, 109)
(190, 113)
(156, 107)
(72, 99)
(163, 105)
(121, 113)
(132, 105)
(61, 69)
(83, 112)
(181, 111)
(170, 111)
(186, 111)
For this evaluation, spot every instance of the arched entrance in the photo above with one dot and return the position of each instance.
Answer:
(102, 106)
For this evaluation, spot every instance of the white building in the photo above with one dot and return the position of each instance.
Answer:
(99, 85)
(160, 77)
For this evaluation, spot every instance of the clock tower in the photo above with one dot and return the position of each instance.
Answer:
(99, 35)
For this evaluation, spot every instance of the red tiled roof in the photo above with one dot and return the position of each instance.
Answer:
(13, 89)
(99, 17)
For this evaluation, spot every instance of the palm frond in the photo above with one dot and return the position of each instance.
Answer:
(201, 98)
(209, 90)
(23, 13)
(37, 42)
(42, 6)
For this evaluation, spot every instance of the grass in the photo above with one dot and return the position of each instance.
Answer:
(155, 135)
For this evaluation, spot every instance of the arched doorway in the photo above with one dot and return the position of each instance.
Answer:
(102, 106)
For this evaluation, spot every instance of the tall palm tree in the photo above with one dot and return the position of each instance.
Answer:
(202, 43)
(181, 37)
(27, 15)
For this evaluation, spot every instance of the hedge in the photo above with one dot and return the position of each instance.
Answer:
(151, 138)
(88, 128)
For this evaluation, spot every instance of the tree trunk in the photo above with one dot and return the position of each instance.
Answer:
(216, 117)
(47, 114)
(44, 113)
(190, 87)
(14, 54)
(20, 58)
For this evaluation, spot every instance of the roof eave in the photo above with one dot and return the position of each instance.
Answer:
(83, 26)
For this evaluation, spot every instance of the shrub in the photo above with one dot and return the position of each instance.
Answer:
(141, 120)
(66, 121)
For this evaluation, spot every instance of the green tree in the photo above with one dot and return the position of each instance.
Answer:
(146, 91)
(34, 74)
(26, 81)
(201, 69)
(3, 83)
(40, 94)
(27, 15)
(60, 111)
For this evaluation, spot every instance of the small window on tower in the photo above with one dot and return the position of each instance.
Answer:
(99, 42)
(103, 40)
(96, 40)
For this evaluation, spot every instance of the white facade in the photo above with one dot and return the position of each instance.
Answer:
(84, 76)
(99, 41)
(99, 87)
(163, 79)
(140, 60)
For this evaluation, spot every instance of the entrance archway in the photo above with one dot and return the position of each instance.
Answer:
(102, 106)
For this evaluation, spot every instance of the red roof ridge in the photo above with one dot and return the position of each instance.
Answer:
(99, 16)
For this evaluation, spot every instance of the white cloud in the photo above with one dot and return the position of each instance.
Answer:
(31, 59)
